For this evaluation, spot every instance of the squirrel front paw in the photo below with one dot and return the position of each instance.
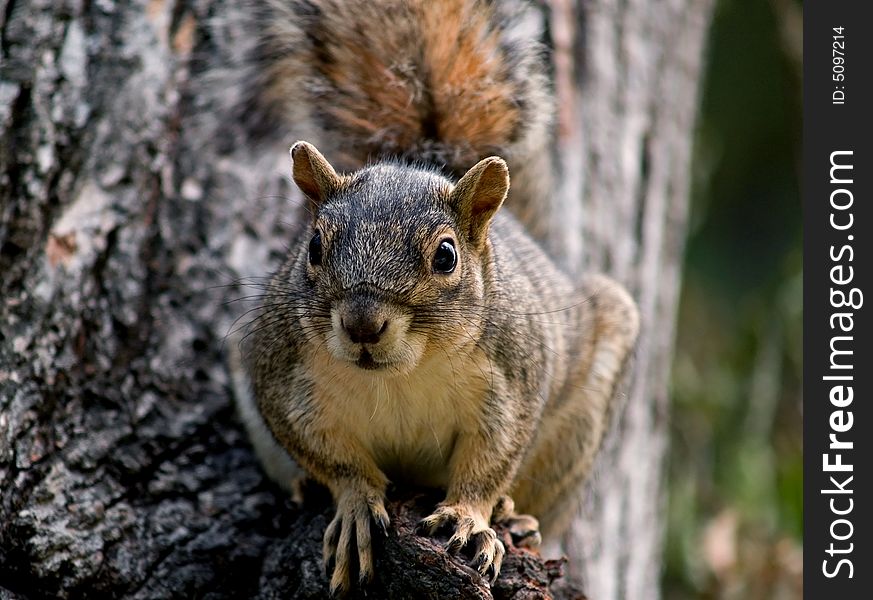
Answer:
(469, 526)
(350, 529)
(524, 529)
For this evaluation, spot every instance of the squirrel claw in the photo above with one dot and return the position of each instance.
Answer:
(430, 525)
(338, 589)
(348, 537)
(469, 527)
(489, 554)
(525, 531)
(382, 521)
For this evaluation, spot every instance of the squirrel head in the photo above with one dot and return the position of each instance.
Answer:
(393, 269)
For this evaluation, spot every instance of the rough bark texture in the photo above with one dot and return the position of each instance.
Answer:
(628, 75)
(128, 211)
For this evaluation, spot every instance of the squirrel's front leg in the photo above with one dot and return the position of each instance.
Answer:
(358, 489)
(357, 484)
(480, 473)
(359, 503)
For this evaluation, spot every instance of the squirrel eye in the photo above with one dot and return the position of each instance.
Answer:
(315, 249)
(445, 258)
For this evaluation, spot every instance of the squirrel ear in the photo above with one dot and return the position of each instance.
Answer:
(479, 194)
(312, 173)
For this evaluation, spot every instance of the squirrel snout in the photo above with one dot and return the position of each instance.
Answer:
(363, 328)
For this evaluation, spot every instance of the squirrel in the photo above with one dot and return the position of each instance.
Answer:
(414, 332)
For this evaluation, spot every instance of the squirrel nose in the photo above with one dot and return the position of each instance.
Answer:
(363, 330)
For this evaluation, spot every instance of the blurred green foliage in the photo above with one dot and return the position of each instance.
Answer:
(735, 516)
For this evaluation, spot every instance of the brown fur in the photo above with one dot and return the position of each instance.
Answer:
(443, 83)
(452, 89)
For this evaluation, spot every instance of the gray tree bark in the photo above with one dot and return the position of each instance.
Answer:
(628, 81)
(128, 210)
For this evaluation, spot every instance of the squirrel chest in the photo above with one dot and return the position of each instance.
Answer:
(409, 423)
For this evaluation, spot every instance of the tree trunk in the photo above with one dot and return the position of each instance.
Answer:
(127, 212)
(628, 75)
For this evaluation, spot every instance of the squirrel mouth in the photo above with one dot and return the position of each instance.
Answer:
(365, 361)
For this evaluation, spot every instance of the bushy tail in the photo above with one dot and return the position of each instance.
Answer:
(444, 82)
